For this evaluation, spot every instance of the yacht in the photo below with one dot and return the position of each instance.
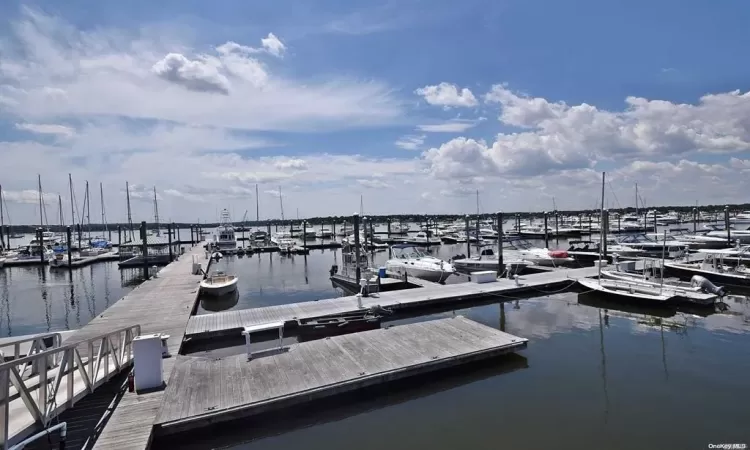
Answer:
(741, 218)
(259, 235)
(487, 260)
(224, 239)
(741, 236)
(281, 236)
(324, 233)
(408, 260)
(425, 237)
(643, 245)
(521, 249)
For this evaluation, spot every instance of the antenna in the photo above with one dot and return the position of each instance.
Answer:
(257, 207)
(156, 213)
(104, 215)
(130, 219)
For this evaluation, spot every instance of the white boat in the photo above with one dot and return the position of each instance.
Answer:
(409, 260)
(224, 238)
(642, 245)
(487, 260)
(324, 233)
(279, 236)
(259, 235)
(631, 291)
(425, 237)
(742, 218)
(218, 284)
(713, 268)
(741, 236)
(523, 250)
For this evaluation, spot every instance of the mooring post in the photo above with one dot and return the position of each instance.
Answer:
(590, 224)
(174, 227)
(655, 230)
(557, 230)
(69, 234)
(333, 230)
(468, 240)
(695, 220)
(40, 239)
(169, 233)
(372, 236)
(389, 227)
(726, 225)
(119, 237)
(78, 229)
(499, 228)
(619, 229)
(268, 230)
(144, 249)
(546, 235)
(356, 245)
(304, 236)
(478, 236)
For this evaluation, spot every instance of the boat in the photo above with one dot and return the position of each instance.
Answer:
(487, 260)
(632, 291)
(224, 238)
(2, 262)
(324, 233)
(218, 284)
(713, 267)
(741, 236)
(741, 218)
(424, 238)
(259, 235)
(316, 328)
(523, 250)
(281, 236)
(412, 262)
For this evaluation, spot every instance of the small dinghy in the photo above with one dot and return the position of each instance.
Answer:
(219, 284)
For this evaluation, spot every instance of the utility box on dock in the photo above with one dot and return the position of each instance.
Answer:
(485, 276)
(147, 362)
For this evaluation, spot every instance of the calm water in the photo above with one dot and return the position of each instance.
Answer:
(595, 374)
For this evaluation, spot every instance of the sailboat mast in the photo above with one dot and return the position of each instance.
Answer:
(88, 211)
(361, 205)
(156, 213)
(130, 219)
(72, 209)
(2, 218)
(281, 202)
(257, 205)
(101, 199)
(477, 204)
(601, 224)
(59, 208)
(41, 208)
(636, 199)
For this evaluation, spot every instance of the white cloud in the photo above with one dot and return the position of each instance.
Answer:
(410, 142)
(447, 94)
(374, 183)
(52, 70)
(295, 164)
(52, 129)
(273, 45)
(201, 75)
(28, 196)
(273, 192)
(451, 126)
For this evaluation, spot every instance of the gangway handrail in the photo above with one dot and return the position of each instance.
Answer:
(105, 355)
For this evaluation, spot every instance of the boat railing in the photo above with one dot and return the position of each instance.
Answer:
(38, 387)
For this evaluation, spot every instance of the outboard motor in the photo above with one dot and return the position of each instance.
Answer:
(706, 286)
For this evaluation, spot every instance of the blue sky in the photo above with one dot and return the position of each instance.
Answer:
(330, 100)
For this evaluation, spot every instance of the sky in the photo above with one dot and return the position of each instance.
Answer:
(412, 106)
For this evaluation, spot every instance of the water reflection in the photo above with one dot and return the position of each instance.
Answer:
(220, 303)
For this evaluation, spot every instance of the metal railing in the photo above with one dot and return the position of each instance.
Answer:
(30, 385)
(37, 344)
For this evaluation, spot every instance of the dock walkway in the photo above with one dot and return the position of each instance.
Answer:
(203, 391)
(231, 322)
(160, 305)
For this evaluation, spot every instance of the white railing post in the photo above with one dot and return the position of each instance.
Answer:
(4, 407)
(71, 363)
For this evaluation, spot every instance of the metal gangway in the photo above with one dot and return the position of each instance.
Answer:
(53, 375)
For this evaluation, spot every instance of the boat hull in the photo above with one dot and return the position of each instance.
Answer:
(436, 276)
(218, 290)
(623, 290)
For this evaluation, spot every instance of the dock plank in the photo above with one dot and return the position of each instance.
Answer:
(325, 367)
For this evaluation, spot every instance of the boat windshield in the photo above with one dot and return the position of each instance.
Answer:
(404, 252)
(636, 239)
(517, 244)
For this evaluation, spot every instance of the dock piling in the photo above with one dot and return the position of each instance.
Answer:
(304, 236)
(604, 230)
(144, 249)
(726, 225)
(372, 235)
(40, 237)
(468, 240)
(695, 220)
(546, 234)
(356, 245)
(69, 234)
(169, 233)
(557, 229)
(78, 229)
(499, 243)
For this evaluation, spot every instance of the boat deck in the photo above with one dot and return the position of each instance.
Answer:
(231, 322)
(203, 391)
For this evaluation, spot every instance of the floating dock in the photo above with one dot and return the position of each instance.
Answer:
(81, 261)
(203, 391)
(228, 323)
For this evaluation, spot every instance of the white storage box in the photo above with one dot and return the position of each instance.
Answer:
(485, 276)
(147, 362)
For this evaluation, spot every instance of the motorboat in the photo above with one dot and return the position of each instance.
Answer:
(218, 284)
(309, 235)
(424, 238)
(699, 240)
(224, 238)
(714, 267)
(630, 291)
(521, 249)
(642, 245)
(741, 236)
(741, 218)
(487, 259)
(259, 235)
(324, 233)
(281, 236)
(407, 259)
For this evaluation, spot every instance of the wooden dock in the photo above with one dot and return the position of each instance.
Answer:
(229, 323)
(160, 305)
(203, 391)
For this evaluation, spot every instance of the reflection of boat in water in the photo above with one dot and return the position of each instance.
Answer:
(221, 302)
